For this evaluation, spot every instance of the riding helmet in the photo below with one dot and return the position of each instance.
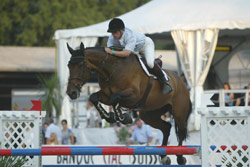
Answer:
(115, 24)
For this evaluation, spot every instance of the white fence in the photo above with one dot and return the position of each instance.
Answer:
(239, 96)
(21, 129)
(225, 134)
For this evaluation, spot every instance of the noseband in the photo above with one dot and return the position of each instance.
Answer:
(74, 60)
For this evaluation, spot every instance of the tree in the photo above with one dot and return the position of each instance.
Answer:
(52, 98)
(33, 23)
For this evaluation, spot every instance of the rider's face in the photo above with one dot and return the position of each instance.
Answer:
(117, 34)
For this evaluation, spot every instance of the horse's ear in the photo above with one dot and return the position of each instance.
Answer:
(70, 49)
(82, 46)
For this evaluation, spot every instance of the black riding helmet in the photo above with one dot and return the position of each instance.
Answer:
(116, 24)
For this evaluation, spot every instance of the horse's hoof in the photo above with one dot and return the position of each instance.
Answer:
(181, 160)
(165, 160)
(126, 119)
(111, 119)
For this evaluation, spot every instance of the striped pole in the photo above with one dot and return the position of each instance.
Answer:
(124, 165)
(103, 150)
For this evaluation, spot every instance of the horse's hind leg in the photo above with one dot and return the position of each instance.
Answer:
(181, 114)
(95, 99)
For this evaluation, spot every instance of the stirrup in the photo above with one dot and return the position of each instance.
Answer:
(166, 88)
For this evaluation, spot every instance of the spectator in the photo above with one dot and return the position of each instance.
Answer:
(185, 81)
(92, 115)
(44, 128)
(53, 139)
(53, 128)
(229, 97)
(9, 135)
(159, 137)
(67, 134)
(240, 98)
(142, 133)
(28, 138)
(248, 87)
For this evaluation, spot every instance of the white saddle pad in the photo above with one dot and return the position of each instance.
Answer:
(146, 70)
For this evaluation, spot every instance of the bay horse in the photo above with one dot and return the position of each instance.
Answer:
(123, 83)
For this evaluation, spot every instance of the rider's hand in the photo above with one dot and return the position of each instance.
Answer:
(108, 50)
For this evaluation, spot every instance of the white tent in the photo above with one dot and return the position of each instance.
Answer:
(194, 26)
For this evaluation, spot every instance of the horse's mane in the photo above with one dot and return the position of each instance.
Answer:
(99, 48)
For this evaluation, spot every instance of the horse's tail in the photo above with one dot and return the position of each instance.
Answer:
(182, 134)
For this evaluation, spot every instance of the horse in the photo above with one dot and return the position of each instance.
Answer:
(123, 83)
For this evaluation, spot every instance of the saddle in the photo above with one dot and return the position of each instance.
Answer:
(157, 60)
(147, 70)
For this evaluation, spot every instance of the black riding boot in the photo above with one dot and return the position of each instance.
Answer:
(166, 88)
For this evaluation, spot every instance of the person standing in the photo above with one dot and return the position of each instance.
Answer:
(248, 95)
(135, 42)
(92, 115)
(67, 134)
(142, 133)
(44, 129)
(53, 131)
(229, 97)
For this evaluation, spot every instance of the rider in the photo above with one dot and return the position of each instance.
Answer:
(132, 42)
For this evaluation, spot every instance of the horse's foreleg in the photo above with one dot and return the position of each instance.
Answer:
(95, 99)
(116, 99)
(153, 118)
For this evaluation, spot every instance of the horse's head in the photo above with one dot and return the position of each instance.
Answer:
(79, 72)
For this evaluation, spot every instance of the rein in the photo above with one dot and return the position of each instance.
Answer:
(111, 74)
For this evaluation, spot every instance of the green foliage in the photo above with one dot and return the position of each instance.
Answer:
(12, 161)
(123, 133)
(52, 97)
(33, 23)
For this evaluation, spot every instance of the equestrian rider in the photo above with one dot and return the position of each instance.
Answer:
(132, 42)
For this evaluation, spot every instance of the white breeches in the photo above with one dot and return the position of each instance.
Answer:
(148, 50)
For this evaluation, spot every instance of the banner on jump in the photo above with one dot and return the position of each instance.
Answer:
(101, 159)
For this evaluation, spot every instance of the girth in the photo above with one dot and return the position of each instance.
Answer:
(141, 103)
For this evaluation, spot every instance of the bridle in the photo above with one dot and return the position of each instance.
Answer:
(77, 59)
(74, 60)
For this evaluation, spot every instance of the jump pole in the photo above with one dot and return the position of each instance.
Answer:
(130, 150)
(124, 165)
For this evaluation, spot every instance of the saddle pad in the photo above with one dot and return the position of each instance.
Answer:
(145, 68)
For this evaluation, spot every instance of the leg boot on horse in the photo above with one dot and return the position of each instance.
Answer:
(166, 88)
(109, 117)
(124, 118)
